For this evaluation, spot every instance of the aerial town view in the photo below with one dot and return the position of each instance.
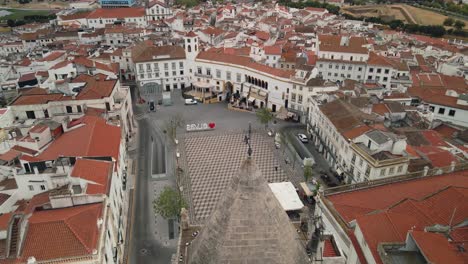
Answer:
(233, 131)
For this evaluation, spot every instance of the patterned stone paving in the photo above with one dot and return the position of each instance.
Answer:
(213, 160)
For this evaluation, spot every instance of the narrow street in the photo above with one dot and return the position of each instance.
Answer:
(152, 240)
(308, 150)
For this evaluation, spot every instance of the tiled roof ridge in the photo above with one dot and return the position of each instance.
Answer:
(416, 202)
(92, 128)
(422, 198)
(72, 229)
(416, 207)
(395, 230)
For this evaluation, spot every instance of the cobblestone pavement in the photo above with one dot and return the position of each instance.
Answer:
(213, 160)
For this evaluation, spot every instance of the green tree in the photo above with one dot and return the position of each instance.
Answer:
(171, 125)
(187, 3)
(459, 25)
(308, 173)
(264, 116)
(169, 203)
(449, 21)
(394, 24)
(317, 189)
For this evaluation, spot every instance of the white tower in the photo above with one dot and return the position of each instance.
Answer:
(191, 46)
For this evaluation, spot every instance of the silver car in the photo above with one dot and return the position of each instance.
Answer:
(303, 138)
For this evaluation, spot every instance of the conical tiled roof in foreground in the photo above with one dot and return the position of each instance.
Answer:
(248, 226)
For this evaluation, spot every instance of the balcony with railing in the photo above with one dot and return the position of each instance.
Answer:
(204, 75)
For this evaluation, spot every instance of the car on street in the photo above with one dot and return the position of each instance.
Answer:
(191, 101)
(303, 138)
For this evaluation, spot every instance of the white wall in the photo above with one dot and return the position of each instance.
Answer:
(459, 118)
(157, 73)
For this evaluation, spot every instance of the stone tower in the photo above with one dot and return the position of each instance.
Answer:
(248, 226)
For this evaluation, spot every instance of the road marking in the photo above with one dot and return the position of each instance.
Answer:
(160, 176)
(140, 116)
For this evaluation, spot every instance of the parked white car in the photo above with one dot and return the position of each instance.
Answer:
(191, 102)
(303, 138)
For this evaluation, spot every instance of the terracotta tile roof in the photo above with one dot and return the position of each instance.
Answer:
(53, 56)
(27, 77)
(357, 131)
(213, 31)
(435, 96)
(94, 139)
(437, 156)
(117, 12)
(3, 198)
(95, 88)
(8, 184)
(244, 62)
(446, 131)
(143, 53)
(378, 60)
(24, 150)
(37, 201)
(386, 227)
(434, 138)
(386, 213)
(436, 248)
(10, 155)
(434, 80)
(397, 96)
(332, 43)
(329, 250)
(191, 34)
(345, 117)
(262, 35)
(62, 233)
(392, 225)
(96, 172)
(351, 205)
(380, 109)
(42, 73)
(4, 220)
(38, 128)
(60, 65)
(244, 51)
(273, 50)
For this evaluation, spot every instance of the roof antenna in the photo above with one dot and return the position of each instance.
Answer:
(247, 139)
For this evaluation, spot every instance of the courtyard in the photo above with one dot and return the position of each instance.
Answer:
(212, 161)
(210, 158)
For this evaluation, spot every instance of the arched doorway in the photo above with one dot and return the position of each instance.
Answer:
(228, 90)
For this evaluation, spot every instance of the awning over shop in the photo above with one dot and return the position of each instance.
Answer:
(339, 171)
(202, 85)
(306, 189)
(286, 194)
(257, 96)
